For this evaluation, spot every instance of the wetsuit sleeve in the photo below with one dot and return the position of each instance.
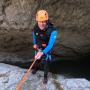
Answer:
(34, 38)
(51, 42)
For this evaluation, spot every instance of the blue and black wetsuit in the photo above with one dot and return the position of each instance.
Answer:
(47, 37)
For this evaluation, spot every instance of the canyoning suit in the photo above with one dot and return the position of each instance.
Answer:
(45, 40)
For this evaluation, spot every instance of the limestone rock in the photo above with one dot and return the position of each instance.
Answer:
(72, 18)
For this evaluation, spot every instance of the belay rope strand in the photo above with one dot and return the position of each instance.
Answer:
(24, 78)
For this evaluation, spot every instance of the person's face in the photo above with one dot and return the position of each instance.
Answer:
(42, 24)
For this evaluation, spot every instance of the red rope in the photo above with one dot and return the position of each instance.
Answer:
(24, 78)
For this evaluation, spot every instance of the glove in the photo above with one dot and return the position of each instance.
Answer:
(38, 55)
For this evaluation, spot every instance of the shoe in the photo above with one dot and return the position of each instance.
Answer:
(45, 80)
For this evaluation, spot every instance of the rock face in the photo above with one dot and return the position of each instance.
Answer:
(11, 75)
(72, 17)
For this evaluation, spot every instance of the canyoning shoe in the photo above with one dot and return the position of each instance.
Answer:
(45, 80)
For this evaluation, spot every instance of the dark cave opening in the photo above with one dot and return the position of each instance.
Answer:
(69, 68)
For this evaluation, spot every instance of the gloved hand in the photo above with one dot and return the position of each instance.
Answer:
(38, 55)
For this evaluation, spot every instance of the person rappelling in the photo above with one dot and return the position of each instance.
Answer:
(44, 37)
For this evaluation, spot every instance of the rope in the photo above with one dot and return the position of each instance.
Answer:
(24, 78)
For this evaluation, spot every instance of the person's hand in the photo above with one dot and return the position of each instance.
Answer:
(35, 46)
(38, 55)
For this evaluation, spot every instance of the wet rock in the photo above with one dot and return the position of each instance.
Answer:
(11, 75)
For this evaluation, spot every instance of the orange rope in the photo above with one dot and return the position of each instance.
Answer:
(24, 78)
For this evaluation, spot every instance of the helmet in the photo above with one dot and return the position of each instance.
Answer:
(42, 15)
